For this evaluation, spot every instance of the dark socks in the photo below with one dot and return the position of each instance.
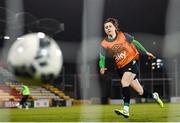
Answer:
(147, 94)
(126, 95)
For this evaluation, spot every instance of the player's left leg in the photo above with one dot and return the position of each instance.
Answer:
(144, 93)
(21, 103)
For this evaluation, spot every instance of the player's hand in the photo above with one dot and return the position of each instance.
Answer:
(102, 70)
(150, 55)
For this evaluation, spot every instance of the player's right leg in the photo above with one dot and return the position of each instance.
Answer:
(122, 112)
(127, 78)
(158, 100)
(18, 105)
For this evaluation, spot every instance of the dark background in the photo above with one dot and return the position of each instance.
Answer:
(134, 15)
(142, 16)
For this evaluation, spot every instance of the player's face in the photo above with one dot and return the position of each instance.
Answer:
(109, 29)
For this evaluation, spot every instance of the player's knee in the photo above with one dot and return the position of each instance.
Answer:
(140, 92)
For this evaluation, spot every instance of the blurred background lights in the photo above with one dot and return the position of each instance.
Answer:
(158, 63)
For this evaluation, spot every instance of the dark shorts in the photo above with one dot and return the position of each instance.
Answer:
(131, 67)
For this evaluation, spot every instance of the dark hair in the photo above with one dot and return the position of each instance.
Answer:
(114, 22)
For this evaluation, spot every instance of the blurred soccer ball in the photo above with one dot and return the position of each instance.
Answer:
(35, 55)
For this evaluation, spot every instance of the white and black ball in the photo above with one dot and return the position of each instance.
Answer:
(35, 55)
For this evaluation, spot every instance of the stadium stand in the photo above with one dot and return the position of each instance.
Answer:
(57, 91)
(37, 92)
(8, 94)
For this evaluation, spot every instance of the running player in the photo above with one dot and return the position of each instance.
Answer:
(25, 94)
(125, 51)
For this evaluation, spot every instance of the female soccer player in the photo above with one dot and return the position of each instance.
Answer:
(125, 51)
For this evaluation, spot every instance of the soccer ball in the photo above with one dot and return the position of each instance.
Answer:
(35, 55)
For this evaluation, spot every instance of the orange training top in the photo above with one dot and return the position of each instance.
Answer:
(122, 51)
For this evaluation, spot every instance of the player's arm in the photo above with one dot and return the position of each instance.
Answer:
(138, 45)
(102, 61)
(142, 49)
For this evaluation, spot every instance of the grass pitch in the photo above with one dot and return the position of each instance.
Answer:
(93, 113)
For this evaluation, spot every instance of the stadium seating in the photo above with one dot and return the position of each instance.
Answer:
(8, 94)
(57, 91)
(38, 92)
(9, 91)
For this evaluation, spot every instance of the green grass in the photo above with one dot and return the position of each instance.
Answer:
(93, 113)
